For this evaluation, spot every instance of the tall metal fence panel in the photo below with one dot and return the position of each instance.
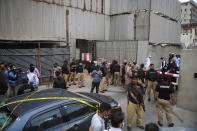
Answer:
(117, 50)
(43, 58)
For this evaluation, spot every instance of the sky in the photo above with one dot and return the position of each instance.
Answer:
(187, 0)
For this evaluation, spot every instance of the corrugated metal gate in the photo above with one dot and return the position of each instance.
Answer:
(43, 58)
(117, 50)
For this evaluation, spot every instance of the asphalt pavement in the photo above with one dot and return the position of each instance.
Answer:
(181, 117)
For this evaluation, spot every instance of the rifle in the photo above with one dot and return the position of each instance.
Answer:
(139, 98)
(143, 107)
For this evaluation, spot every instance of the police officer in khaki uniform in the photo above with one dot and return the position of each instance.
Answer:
(103, 83)
(116, 74)
(135, 103)
(80, 75)
(65, 71)
(73, 67)
(165, 100)
(151, 79)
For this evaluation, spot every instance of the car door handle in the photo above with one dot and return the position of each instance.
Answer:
(76, 126)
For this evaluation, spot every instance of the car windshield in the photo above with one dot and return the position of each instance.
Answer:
(5, 118)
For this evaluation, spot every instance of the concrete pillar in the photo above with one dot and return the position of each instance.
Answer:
(72, 48)
(187, 94)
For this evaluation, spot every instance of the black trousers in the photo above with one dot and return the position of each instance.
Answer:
(95, 84)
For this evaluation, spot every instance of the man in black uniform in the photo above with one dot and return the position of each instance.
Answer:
(165, 100)
(151, 77)
(59, 81)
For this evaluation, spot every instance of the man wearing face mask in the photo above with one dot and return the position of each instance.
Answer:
(117, 121)
(97, 122)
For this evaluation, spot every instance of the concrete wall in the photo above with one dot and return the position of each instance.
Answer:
(46, 19)
(142, 26)
(122, 6)
(88, 25)
(171, 8)
(163, 30)
(143, 47)
(29, 20)
(187, 94)
(158, 25)
(121, 27)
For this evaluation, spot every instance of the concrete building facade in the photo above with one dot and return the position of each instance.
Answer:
(111, 29)
(189, 24)
(188, 13)
(34, 25)
(148, 23)
(189, 36)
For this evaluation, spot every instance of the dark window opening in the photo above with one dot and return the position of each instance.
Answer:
(86, 46)
(75, 111)
(45, 121)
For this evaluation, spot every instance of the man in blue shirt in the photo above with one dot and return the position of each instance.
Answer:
(96, 74)
(178, 61)
(12, 79)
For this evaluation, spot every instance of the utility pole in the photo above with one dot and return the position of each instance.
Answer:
(67, 27)
(135, 28)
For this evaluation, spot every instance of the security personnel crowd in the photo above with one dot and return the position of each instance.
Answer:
(137, 83)
(142, 84)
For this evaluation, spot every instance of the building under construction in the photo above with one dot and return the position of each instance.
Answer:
(47, 31)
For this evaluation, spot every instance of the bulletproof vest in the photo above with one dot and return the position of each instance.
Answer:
(152, 74)
(138, 94)
(73, 67)
(116, 68)
(164, 91)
